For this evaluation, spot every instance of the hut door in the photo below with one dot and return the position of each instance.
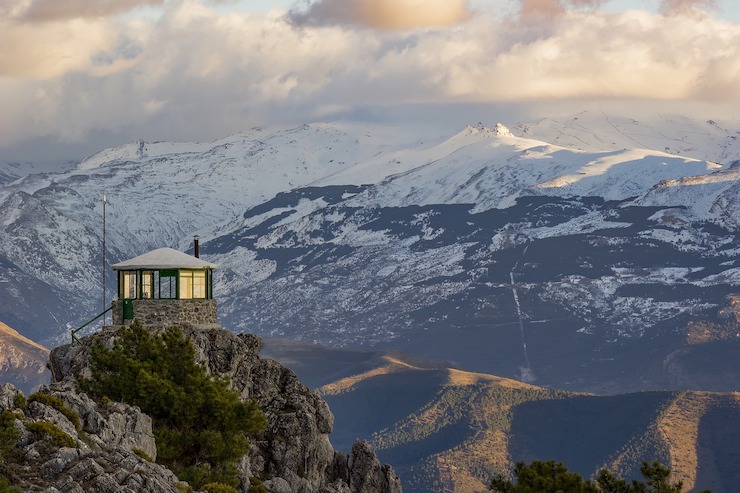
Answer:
(128, 310)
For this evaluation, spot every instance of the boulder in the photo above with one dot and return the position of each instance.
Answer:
(102, 459)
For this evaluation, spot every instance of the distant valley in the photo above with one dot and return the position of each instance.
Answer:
(448, 430)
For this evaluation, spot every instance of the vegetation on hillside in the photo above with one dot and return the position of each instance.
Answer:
(55, 403)
(468, 426)
(200, 425)
(554, 477)
(456, 437)
(9, 435)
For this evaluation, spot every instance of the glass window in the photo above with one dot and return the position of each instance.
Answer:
(167, 284)
(128, 285)
(186, 284)
(199, 285)
(147, 284)
(192, 284)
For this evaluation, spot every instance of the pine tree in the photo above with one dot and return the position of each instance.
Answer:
(554, 477)
(200, 424)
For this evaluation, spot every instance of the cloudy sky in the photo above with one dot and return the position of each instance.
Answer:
(77, 76)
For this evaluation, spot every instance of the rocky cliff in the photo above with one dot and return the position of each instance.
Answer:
(111, 444)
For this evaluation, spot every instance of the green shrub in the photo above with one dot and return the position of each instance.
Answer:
(554, 477)
(219, 488)
(256, 486)
(200, 425)
(58, 404)
(19, 401)
(142, 454)
(183, 487)
(58, 437)
(9, 434)
(5, 487)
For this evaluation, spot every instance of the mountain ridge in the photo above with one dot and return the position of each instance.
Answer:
(427, 240)
(448, 434)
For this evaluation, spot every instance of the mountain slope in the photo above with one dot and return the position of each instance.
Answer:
(564, 290)
(596, 130)
(22, 361)
(159, 194)
(451, 430)
(491, 168)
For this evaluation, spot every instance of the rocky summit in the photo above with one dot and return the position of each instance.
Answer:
(66, 442)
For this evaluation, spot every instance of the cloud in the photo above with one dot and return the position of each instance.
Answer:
(51, 50)
(44, 39)
(383, 14)
(196, 73)
(685, 6)
(547, 9)
(51, 10)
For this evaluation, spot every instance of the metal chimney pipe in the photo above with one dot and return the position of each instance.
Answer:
(196, 247)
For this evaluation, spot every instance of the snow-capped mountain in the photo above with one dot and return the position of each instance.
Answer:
(501, 253)
(11, 171)
(492, 168)
(591, 130)
(157, 194)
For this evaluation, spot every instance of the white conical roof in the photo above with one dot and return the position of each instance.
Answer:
(164, 258)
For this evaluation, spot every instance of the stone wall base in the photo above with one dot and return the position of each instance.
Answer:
(164, 313)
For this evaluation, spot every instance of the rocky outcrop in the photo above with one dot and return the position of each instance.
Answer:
(292, 455)
(362, 470)
(103, 452)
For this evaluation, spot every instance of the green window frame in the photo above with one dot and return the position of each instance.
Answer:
(168, 284)
(193, 285)
(147, 285)
(128, 285)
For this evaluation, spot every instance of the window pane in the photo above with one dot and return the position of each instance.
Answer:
(147, 284)
(155, 285)
(129, 285)
(186, 284)
(167, 287)
(199, 285)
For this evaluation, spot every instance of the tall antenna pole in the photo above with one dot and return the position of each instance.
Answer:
(104, 307)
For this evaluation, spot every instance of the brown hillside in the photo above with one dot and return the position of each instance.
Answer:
(448, 430)
(22, 361)
(698, 428)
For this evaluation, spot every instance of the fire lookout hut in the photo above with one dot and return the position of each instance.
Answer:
(165, 287)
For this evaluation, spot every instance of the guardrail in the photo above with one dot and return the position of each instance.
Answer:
(74, 332)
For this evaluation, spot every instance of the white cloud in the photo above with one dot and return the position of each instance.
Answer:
(52, 49)
(547, 9)
(194, 73)
(686, 6)
(51, 10)
(384, 14)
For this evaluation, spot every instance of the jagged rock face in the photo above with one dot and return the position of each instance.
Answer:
(115, 425)
(292, 455)
(363, 472)
(102, 458)
(295, 444)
